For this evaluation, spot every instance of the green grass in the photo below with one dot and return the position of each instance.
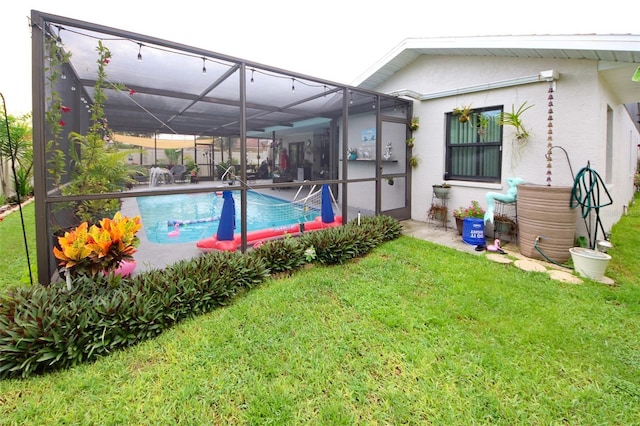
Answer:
(413, 333)
(14, 269)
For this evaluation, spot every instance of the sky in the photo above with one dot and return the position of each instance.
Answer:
(333, 40)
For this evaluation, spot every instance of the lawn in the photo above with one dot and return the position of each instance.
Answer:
(14, 269)
(413, 333)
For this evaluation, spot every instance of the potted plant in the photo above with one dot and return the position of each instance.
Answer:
(483, 124)
(474, 210)
(410, 142)
(514, 119)
(463, 113)
(437, 212)
(415, 124)
(503, 224)
(441, 191)
(102, 248)
(413, 162)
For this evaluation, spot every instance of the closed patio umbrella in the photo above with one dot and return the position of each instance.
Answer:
(326, 209)
(227, 224)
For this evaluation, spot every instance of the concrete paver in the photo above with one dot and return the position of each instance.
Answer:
(449, 237)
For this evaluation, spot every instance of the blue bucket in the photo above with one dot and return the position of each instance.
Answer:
(473, 231)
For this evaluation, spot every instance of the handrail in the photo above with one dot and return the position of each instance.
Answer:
(295, 197)
(227, 171)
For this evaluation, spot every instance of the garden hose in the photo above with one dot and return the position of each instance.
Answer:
(588, 188)
(539, 250)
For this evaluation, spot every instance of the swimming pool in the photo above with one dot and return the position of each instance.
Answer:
(202, 212)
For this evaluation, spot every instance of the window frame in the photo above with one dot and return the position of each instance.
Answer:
(478, 145)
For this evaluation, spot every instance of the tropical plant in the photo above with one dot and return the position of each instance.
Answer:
(98, 166)
(17, 144)
(514, 119)
(474, 210)
(191, 165)
(483, 123)
(415, 124)
(173, 155)
(89, 250)
(463, 113)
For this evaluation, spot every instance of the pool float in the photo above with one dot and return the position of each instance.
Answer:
(173, 222)
(226, 240)
(260, 236)
(176, 231)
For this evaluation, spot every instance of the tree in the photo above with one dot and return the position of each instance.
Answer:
(19, 144)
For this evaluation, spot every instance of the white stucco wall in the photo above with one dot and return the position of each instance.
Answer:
(580, 103)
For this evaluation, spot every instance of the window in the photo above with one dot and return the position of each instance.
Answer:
(474, 145)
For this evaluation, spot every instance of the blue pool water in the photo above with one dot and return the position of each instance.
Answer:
(203, 211)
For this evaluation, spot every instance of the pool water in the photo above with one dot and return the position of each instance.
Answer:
(202, 213)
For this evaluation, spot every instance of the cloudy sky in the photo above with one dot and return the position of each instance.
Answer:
(333, 40)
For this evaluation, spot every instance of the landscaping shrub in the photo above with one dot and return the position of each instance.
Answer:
(280, 256)
(338, 245)
(44, 328)
(48, 328)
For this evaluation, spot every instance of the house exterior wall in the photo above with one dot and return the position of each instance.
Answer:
(580, 102)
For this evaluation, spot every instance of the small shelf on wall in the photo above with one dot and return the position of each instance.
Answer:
(370, 161)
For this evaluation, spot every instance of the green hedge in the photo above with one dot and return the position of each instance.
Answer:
(48, 328)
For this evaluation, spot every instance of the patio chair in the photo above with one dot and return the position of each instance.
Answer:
(179, 173)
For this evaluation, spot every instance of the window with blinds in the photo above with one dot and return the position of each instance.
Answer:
(474, 145)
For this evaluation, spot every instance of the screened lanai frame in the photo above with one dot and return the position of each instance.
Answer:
(158, 86)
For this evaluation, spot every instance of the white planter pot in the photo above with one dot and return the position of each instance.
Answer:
(589, 263)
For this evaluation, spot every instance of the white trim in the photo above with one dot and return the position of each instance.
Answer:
(550, 75)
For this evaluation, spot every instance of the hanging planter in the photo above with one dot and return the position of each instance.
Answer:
(514, 119)
(463, 113)
(410, 142)
(415, 124)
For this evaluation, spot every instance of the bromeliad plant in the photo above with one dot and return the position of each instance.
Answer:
(91, 250)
